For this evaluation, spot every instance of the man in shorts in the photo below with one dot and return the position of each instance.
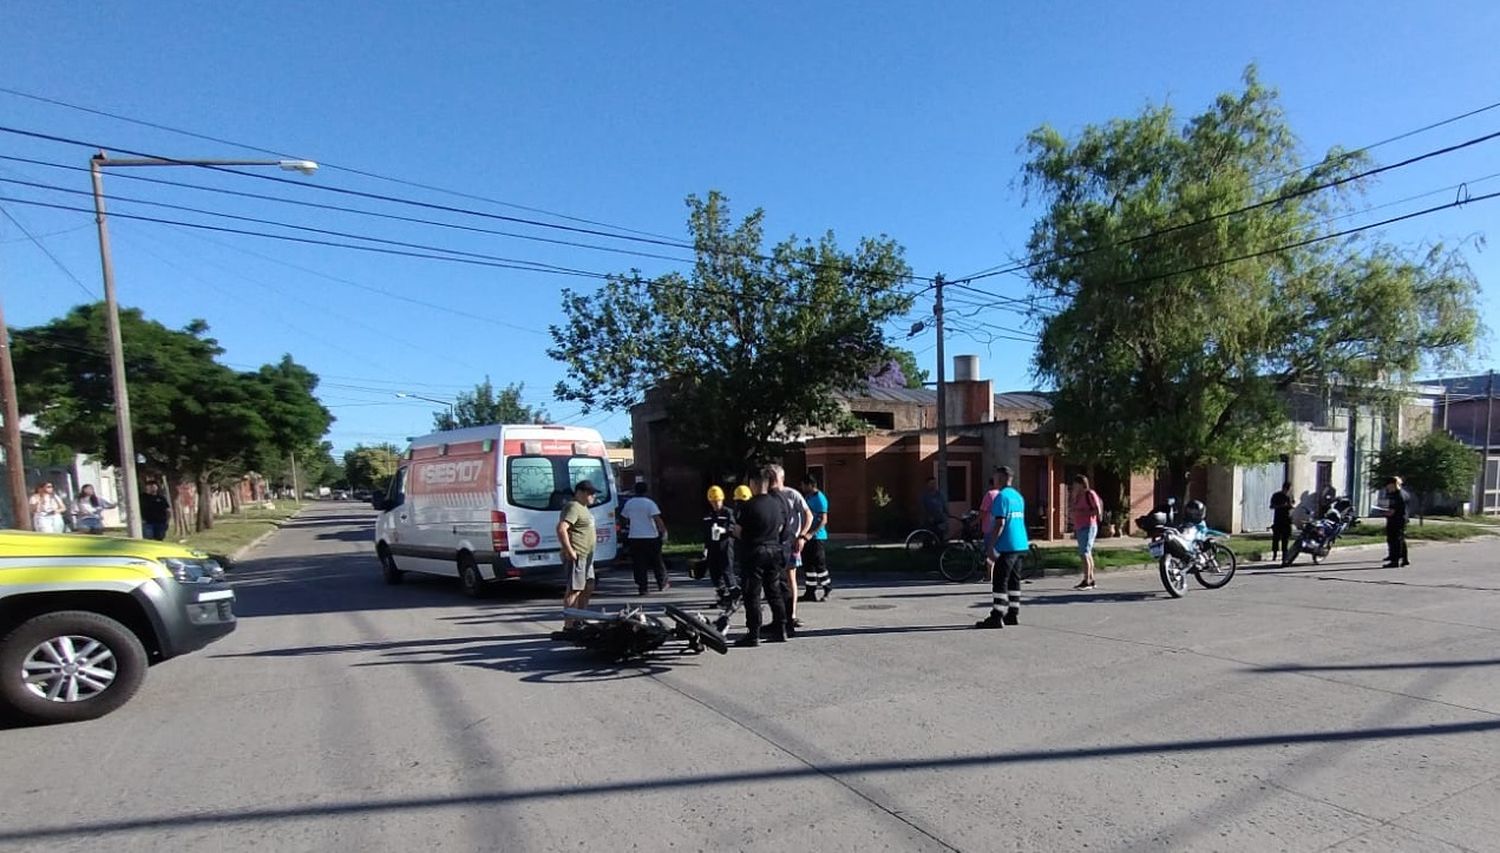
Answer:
(1008, 542)
(575, 535)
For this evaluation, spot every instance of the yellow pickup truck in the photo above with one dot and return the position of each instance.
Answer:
(82, 617)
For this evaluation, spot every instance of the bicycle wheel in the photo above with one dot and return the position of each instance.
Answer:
(1219, 567)
(959, 562)
(921, 539)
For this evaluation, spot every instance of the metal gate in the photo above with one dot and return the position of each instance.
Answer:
(1257, 486)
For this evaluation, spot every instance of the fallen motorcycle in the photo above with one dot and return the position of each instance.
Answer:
(634, 633)
(1319, 534)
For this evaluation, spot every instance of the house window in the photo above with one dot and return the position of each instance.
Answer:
(878, 420)
(958, 484)
(1325, 476)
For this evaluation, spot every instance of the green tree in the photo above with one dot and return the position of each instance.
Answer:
(899, 370)
(748, 348)
(485, 406)
(371, 467)
(193, 419)
(1435, 464)
(1163, 354)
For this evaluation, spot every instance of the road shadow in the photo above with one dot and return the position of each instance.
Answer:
(539, 660)
(1088, 597)
(347, 536)
(809, 633)
(250, 818)
(1376, 667)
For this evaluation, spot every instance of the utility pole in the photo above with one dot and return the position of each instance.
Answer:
(942, 394)
(131, 499)
(296, 489)
(15, 463)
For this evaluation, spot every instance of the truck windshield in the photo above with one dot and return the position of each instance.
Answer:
(547, 482)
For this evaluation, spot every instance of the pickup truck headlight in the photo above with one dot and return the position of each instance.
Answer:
(195, 571)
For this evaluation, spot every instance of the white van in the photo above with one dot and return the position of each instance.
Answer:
(483, 503)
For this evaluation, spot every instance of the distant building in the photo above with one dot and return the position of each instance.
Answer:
(1465, 409)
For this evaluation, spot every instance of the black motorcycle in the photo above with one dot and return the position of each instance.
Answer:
(1321, 532)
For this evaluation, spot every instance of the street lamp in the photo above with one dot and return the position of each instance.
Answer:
(130, 501)
(451, 416)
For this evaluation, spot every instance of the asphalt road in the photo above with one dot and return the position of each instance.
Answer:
(1342, 707)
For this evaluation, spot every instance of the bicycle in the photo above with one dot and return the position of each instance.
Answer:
(926, 539)
(962, 559)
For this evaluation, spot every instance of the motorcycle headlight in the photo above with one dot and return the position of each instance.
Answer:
(195, 571)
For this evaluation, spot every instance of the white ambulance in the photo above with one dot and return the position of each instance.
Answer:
(483, 503)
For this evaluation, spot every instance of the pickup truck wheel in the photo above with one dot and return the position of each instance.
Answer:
(388, 570)
(68, 666)
(469, 577)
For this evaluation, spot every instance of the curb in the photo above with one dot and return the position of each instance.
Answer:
(240, 552)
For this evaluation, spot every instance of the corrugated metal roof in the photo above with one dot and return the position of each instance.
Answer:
(1023, 400)
(917, 396)
(1465, 386)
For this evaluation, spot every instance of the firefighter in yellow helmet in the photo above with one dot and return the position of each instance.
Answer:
(718, 545)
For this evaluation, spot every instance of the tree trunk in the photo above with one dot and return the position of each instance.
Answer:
(235, 506)
(205, 503)
(174, 503)
(1177, 480)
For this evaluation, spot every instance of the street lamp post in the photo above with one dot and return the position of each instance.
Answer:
(452, 416)
(130, 500)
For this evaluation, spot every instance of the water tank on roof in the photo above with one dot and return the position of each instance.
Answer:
(965, 368)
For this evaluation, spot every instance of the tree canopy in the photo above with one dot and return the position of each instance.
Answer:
(747, 348)
(371, 466)
(899, 370)
(485, 406)
(1435, 464)
(193, 418)
(1189, 287)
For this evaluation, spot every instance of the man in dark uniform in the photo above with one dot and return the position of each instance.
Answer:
(759, 529)
(718, 545)
(1396, 513)
(1281, 520)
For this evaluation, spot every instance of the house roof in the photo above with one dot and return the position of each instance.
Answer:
(1477, 385)
(1024, 400)
(1032, 401)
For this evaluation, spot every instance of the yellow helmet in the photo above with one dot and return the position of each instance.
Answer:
(742, 492)
(715, 493)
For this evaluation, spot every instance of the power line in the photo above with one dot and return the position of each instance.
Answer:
(1288, 196)
(48, 252)
(351, 210)
(322, 163)
(305, 186)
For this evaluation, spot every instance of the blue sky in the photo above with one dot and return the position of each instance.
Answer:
(863, 118)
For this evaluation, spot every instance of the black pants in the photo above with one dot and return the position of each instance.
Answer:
(1006, 589)
(1281, 537)
(646, 554)
(815, 565)
(721, 567)
(764, 572)
(1395, 540)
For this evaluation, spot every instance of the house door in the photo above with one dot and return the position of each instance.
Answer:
(959, 488)
(1256, 488)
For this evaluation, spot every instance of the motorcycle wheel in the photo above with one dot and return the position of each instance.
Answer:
(1220, 568)
(1291, 554)
(1173, 576)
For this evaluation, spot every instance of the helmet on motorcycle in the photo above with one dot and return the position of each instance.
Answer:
(742, 492)
(1194, 512)
(715, 493)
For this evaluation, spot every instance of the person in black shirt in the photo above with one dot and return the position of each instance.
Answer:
(1396, 513)
(156, 513)
(758, 529)
(1281, 520)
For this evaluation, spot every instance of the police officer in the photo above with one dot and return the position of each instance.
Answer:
(1396, 513)
(762, 570)
(718, 545)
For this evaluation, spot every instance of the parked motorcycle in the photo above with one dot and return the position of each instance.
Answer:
(1321, 532)
(1187, 547)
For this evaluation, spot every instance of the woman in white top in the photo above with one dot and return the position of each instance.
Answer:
(47, 510)
(88, 511)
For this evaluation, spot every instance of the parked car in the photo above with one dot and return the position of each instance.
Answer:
(82, 618)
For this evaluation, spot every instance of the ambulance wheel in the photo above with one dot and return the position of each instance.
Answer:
(473, 583)
(388, 570)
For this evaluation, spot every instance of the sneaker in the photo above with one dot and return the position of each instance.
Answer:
(1012, 618)
(827, 591)
(779, 634)
(993, 620)
(721, 623)
(796, 623)
(749, 641)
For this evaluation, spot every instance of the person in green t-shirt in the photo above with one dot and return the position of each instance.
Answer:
(575, 535)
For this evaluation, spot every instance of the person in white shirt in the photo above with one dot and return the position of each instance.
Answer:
(647, 534)
(88, 511)
(47, 509)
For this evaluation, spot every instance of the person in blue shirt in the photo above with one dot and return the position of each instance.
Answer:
(814, 553)
(1007, 541)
